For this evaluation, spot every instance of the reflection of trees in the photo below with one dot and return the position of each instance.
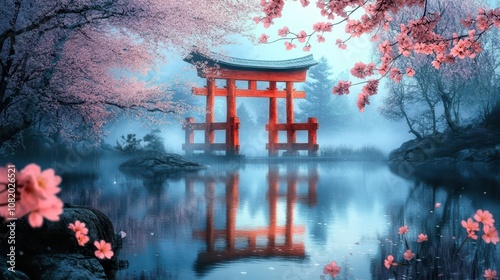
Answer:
(460, 192)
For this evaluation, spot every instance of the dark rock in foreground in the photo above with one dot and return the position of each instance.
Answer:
(67, 266)
(52, 251)
(158, 164)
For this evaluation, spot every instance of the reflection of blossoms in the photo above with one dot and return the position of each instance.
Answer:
(408, 255)
(422, 238)
(403, 230)
(484, 217)
(490, 275)
(490, 234)
(35, 195)
(332, 269)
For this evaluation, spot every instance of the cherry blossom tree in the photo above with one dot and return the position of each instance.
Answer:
(449, 88)
(421, 34)
(70, 66)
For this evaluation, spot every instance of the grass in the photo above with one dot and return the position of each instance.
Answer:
(349, 153)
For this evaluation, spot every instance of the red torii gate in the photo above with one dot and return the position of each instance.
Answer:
(231, 69)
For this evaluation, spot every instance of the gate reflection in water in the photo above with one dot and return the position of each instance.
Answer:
(231, 234)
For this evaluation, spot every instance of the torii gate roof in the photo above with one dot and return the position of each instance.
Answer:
(234, 63)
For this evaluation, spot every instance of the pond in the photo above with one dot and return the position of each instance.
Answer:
(288, 220)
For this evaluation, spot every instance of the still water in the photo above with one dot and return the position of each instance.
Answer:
(287, 221)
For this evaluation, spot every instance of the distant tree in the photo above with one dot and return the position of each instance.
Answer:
(128, 144)
(246, 120)
(320, 102)
(153, 141)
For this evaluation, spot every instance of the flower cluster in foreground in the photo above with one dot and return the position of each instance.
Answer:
(472, 227)
(35, 194)
(104, 249)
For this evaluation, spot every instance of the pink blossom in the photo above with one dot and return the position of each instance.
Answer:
(103, 250)
(408, 255)
(490, 275)
(256, 20)
(304, 3)
(263, 38)
(302, 36)
(358, 70)
(389, 262)
(490, 234)
(283, 31)
(410, 72)
(422, 238)
(342, 88)
(78, 227)
(322, 27)
(484, 217)
(50, 209)
(371, 87)
(396, 75)
(321, 39)
(403, 230)
(306, 48)
(437, 205)
(289, 46)
(37, 185)
(471, 228)
(332, 269)
(81, 238)
(363, 100)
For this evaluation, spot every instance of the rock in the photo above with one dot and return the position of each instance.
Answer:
(57, 238)
(65, 266)
(151, 165)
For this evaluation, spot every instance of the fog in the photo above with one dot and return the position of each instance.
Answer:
(367, 128)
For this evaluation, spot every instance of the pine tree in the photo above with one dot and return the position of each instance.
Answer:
(320, 102)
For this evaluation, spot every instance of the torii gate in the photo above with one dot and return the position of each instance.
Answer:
(217, 66)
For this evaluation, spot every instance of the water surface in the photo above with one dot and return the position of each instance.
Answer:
(286, 221)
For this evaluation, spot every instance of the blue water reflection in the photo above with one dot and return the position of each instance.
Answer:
(280, 221)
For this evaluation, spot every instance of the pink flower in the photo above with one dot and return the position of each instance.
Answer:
(363, 100)
(306, 48)
(471, 228)
(103, 250)
(302, 36)
(408, 255)
(371, 87)
(50, 209)
(484, 217)
(342, 88)
(256, 20)
(81, 238)
(403, 230)
(389, 262)
(490, 234)
(283, 31)
(321, 39)
(263, 38)
(438, 205)
(490, 275)
(37, 185)
(422, 237)
(289, 46)
(78, 227)
(332, 269)
(410, 72)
